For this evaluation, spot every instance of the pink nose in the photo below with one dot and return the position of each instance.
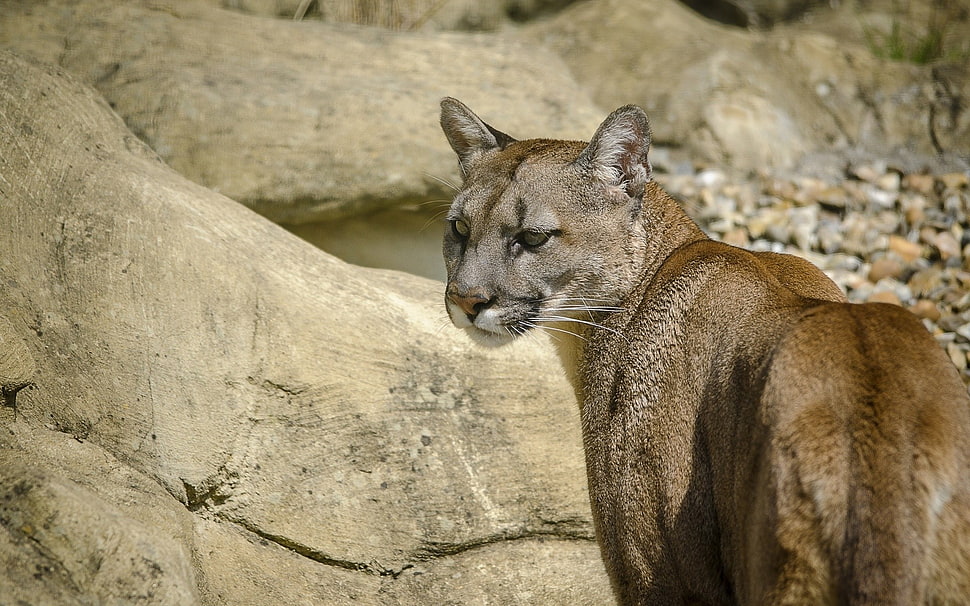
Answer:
(471, 302)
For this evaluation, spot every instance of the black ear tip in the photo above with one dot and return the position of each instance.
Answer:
(636, 118)
(630, 109)
(630, 112)
(452, 104)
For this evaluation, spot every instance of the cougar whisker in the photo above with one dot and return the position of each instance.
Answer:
(603, 309)
(435, 218)
(546, 318)
(443, 181)
(551, 329)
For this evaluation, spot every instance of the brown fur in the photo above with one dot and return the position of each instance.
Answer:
(750, 437)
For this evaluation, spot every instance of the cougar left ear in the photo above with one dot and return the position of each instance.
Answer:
(617, 154)
(468, 135)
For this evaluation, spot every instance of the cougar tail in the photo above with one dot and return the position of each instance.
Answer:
(884, 554)
(890, 532)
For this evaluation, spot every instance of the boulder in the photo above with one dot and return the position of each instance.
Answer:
(300, 121)
(756, 100)
(224, 414)
(79, 527)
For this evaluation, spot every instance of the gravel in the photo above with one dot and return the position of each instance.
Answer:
(882, 234)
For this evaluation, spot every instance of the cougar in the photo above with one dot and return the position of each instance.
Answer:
(750, 437)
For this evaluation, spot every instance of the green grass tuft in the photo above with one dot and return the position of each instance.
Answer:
(918, 45)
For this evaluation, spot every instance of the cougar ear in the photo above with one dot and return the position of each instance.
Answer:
(467, 134)
(617, 155)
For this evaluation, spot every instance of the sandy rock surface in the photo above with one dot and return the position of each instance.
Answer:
(213, 395)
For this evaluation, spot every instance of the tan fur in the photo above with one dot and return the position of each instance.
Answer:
(750, 437)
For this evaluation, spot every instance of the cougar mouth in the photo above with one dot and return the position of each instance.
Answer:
(497, 323)
(500, 324)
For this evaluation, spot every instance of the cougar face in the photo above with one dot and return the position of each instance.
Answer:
(540, 232)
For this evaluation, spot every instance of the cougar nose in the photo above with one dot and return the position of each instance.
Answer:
(471, 302)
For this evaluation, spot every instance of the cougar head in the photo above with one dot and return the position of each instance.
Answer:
(541, 231)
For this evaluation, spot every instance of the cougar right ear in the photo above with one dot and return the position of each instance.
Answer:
(468, 135)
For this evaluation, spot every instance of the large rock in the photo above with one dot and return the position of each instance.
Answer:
(300, 121)
(753, 100)
(222, 413)
(79, 527)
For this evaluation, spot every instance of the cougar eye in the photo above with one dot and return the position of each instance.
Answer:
(460, 229)
(533, 238)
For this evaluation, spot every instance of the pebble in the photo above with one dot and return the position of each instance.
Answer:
(889, 182)
(829, 239)
(947, 245)
(832, 197)
(927, 281)
(954, 180)
(909, 251)
(913, 207)
(711, 178)
(886, 267)
(881, 234)
(924, 308)
(920, 183)
(804, 221)
(868, 172)
(958, 356)
(880, 198)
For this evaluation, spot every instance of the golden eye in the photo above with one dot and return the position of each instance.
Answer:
(460, 228)
(533, 238)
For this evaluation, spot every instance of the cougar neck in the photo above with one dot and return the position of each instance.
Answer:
(667, 228)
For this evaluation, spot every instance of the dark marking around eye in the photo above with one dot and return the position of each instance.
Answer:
(520, 209)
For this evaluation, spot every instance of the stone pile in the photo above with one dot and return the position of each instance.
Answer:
(881, 233)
